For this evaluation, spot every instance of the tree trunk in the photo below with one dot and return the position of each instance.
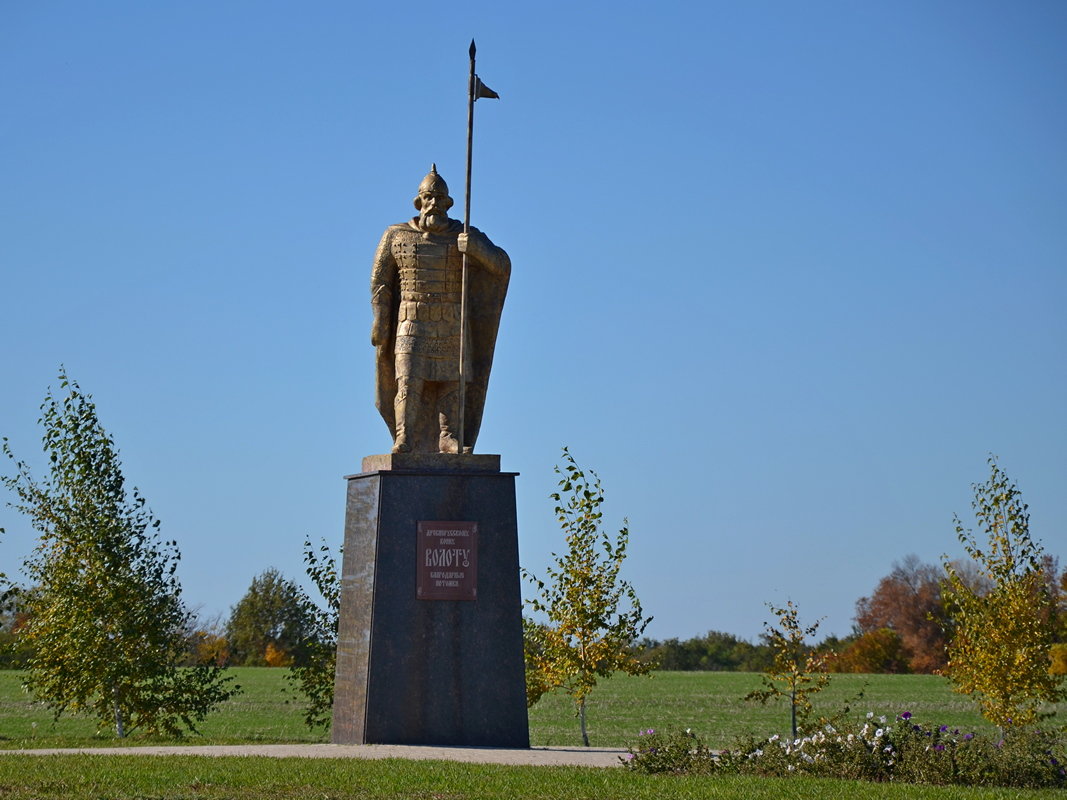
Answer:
(793, 713)
(120, 729)
(581, 720)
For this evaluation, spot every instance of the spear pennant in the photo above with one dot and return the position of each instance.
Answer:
(475, 89)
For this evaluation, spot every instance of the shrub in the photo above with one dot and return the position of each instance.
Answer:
(877, 651)
(206, 648)
(276, 656)
(314, 676)
(1059, 660)
(682, 753)
(903, 751)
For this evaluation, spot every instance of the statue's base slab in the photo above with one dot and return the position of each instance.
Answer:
(421, 671)
(432, 462)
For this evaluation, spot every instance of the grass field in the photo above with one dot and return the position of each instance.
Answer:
(201, 778)
(708, 702)
(267, 711)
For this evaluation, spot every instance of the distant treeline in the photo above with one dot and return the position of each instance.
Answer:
(715, 651)
(899, 628)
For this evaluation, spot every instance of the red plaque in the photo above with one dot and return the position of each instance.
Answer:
(447, 554)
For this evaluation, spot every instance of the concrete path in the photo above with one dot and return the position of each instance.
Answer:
(535, 756)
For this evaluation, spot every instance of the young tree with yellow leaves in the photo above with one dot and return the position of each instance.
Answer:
(798, 671)
(1001, 638)
(586, 636)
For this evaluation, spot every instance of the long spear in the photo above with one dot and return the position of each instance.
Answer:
(475, 89)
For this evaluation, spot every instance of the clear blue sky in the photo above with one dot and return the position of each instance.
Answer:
(784, 274)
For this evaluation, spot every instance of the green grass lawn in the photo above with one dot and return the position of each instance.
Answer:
(200, 778)
(267, 711)
(710, 703)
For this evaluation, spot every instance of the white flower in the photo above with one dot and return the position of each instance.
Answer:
(774, 738)
(878, 733)
(882, 720)
(870, 715)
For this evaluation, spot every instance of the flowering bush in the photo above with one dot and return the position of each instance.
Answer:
(901, 750)
(681, 753)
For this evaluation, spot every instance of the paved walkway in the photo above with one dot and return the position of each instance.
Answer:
(536, 756)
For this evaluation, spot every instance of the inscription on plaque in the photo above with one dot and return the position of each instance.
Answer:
(447, 554)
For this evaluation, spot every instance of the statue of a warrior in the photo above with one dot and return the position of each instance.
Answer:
(416, 286)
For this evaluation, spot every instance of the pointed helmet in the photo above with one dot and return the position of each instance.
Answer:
(433, 184)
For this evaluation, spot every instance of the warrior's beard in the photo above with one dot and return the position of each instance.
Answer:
(434, 223)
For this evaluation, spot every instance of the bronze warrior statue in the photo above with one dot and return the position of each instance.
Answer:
(416, 295)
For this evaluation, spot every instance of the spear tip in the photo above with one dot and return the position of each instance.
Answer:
(473, 49)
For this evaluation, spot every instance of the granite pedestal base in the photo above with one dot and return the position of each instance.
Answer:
(415, 671)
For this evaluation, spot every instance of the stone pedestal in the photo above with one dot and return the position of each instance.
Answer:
(430, 671)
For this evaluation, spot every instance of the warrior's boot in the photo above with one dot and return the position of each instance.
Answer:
(406, 410)
(448, 404)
